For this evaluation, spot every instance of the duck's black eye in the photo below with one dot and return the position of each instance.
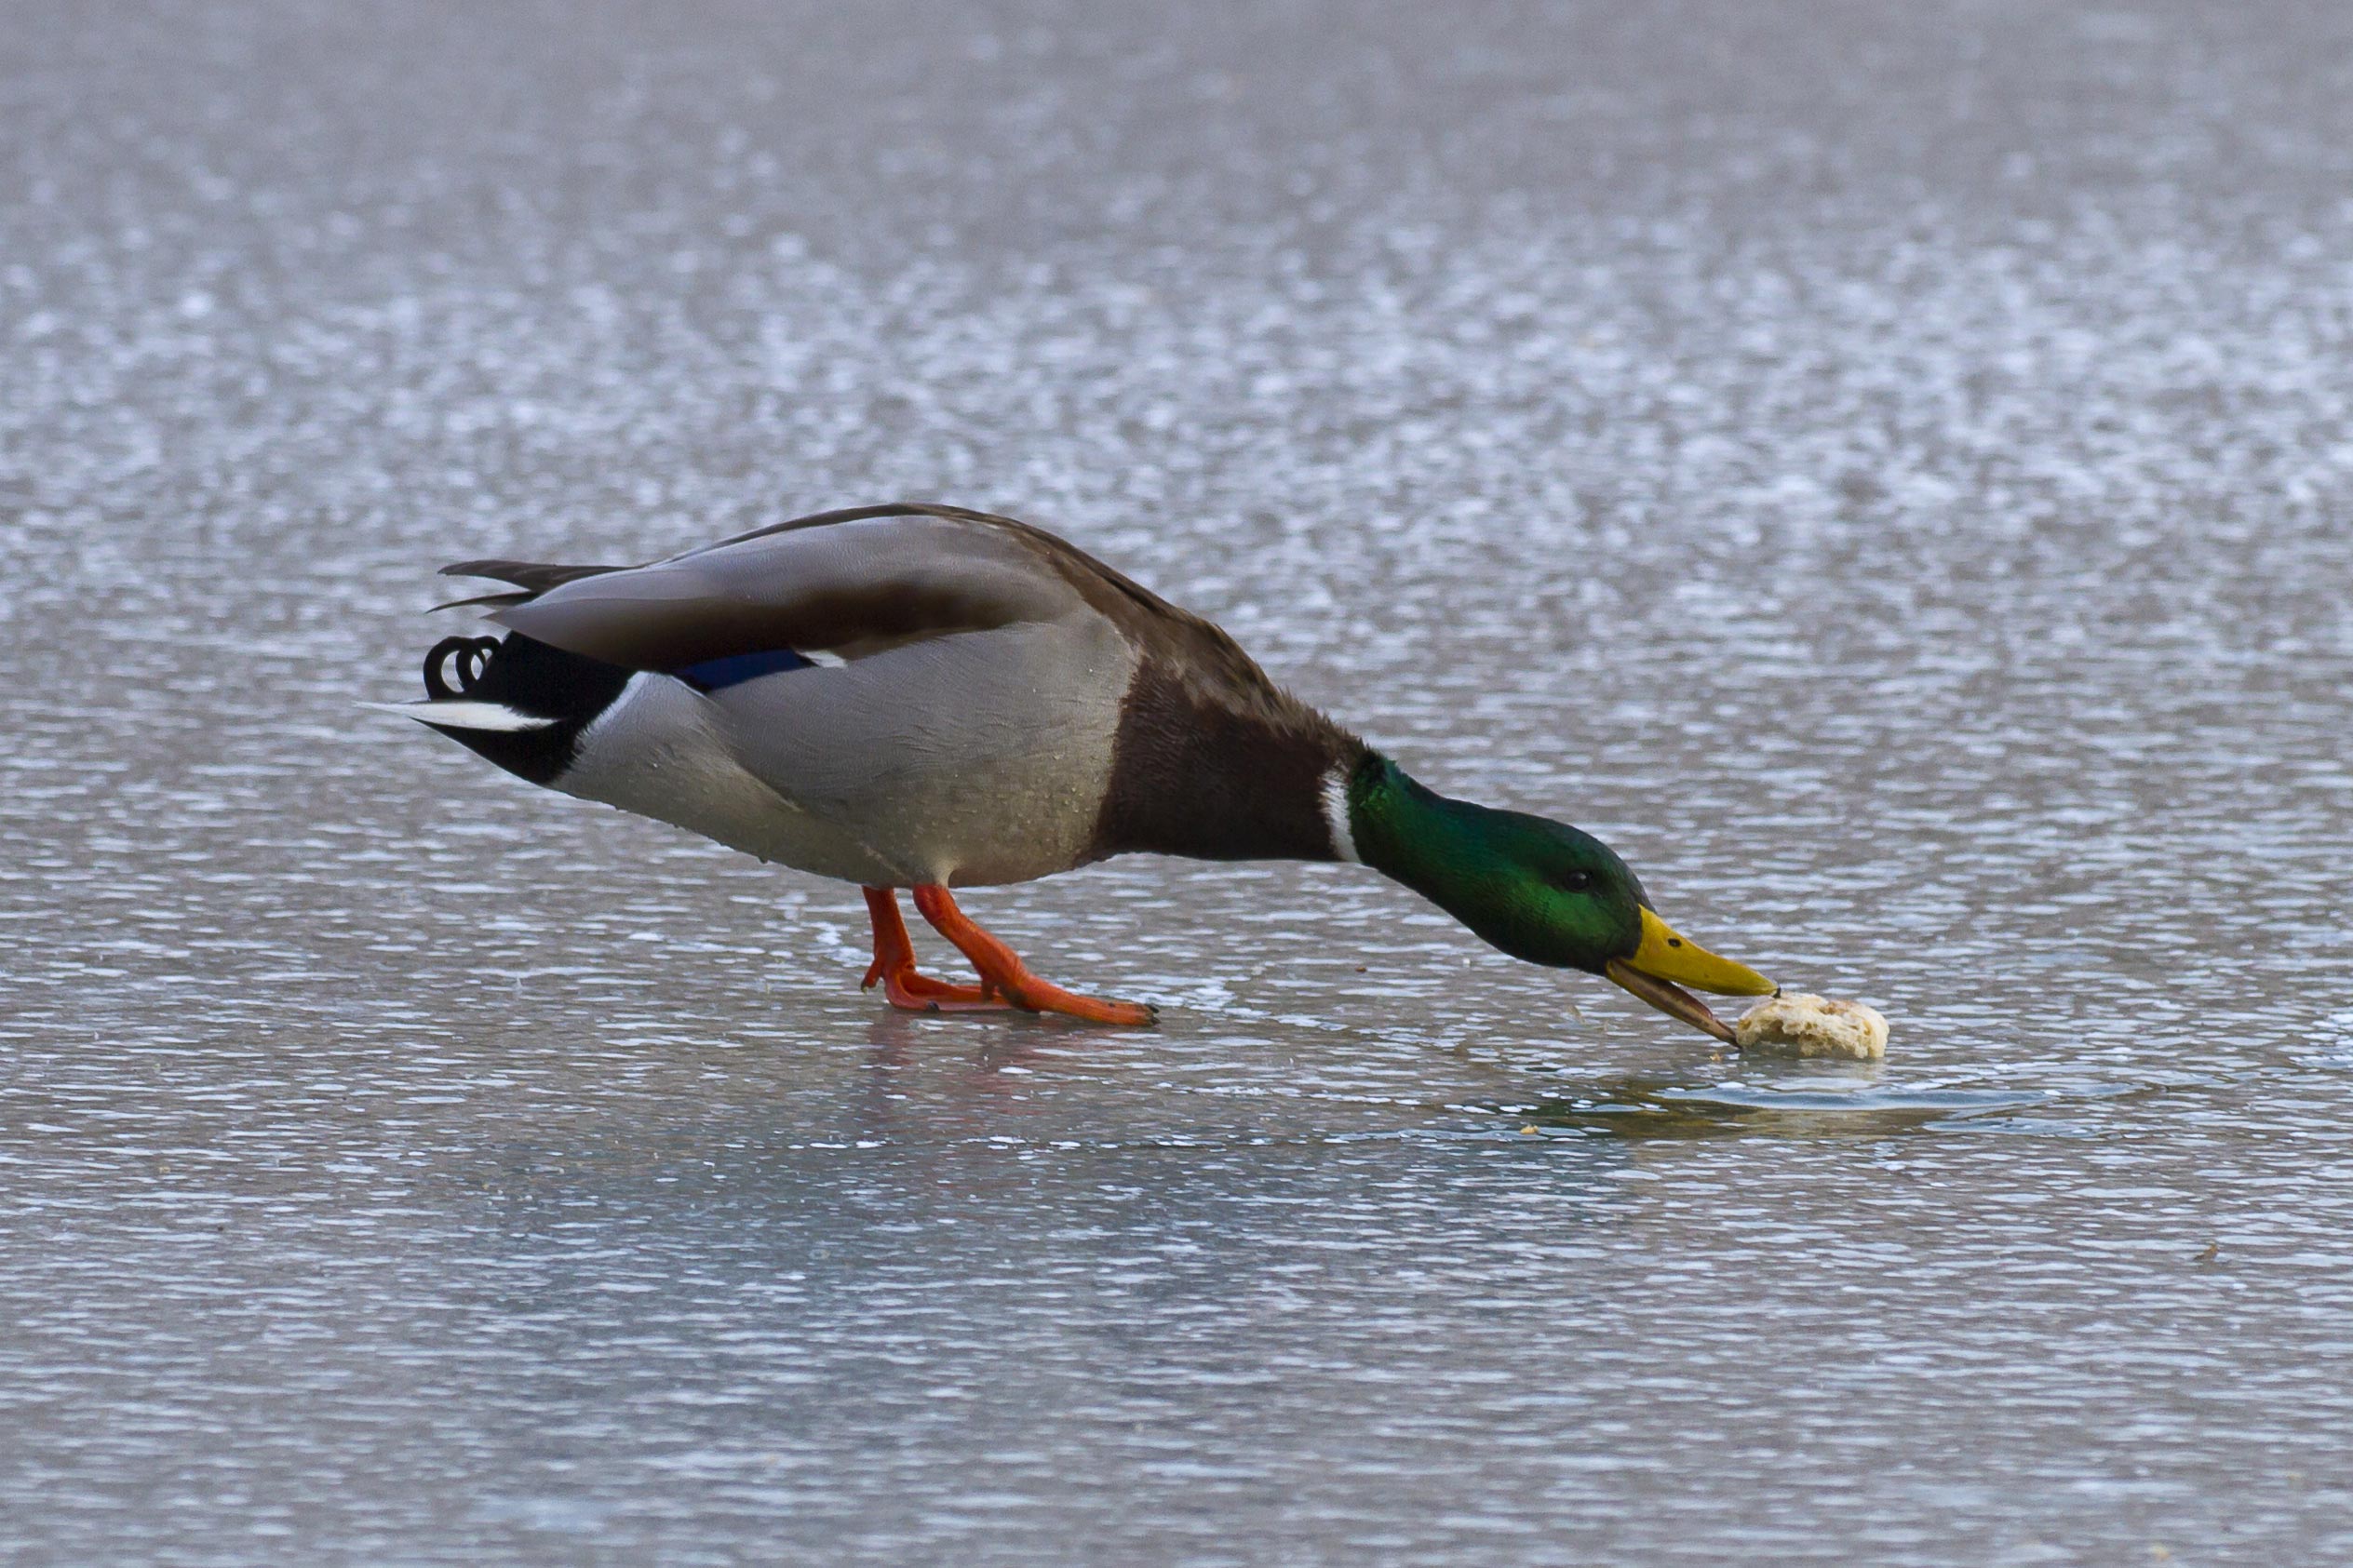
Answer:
(1578, 881)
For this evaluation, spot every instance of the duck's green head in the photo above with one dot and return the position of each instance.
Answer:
(1540, 889)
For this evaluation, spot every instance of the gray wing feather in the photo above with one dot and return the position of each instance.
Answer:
(529, 577)
(876, 580)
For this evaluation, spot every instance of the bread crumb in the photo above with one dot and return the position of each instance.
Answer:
(1801, 1025)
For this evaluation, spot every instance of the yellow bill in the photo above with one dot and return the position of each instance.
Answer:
(1666, 962)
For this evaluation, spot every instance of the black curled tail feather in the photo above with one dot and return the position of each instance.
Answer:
(473, 656)
(529, 678)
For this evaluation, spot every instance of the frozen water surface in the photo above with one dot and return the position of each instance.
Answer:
(1887, 467)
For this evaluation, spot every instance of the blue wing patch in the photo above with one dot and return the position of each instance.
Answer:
(715, 675)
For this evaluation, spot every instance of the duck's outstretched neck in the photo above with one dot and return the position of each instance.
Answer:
(1382, 817)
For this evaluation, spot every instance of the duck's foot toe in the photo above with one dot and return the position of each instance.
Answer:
(919, 993)
(1033, 995)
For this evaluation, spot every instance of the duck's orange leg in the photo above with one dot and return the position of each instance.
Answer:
(893, 965)
(1003, 974)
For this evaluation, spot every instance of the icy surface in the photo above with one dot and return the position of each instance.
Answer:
(1884, 467)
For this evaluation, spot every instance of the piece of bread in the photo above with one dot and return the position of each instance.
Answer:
(1800, 1025)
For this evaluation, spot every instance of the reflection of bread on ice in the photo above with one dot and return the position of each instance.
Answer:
(1809, 1025)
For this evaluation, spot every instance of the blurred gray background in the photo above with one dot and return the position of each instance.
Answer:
(1885, 466)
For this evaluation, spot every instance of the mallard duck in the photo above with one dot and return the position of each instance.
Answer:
(926, 698)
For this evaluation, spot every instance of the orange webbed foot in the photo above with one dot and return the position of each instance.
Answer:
(1003, 974)
(894, 968)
